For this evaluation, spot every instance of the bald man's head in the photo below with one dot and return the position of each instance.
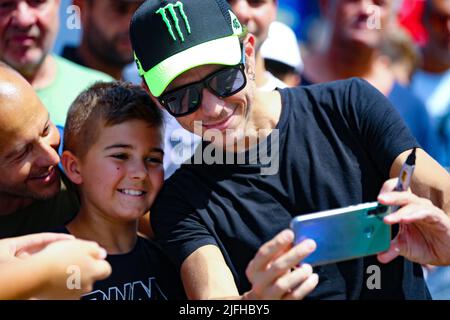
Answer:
(28, 141)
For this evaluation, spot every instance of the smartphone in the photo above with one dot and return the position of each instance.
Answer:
(344, 233)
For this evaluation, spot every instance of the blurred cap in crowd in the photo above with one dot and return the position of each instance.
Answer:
(282, 46)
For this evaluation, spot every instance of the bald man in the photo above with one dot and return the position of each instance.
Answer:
(33, 193)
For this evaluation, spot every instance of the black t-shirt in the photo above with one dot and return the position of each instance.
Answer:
(145, 273)
(337, 142)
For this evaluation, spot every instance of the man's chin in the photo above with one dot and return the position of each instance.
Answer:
(46, 193)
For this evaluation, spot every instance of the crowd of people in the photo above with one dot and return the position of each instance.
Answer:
(183, 186)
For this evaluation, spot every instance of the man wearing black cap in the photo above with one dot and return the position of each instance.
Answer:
(329, 146)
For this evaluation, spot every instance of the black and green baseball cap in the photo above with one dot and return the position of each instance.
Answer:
(170, 37)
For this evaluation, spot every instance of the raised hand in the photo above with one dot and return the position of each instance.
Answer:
(276, 273)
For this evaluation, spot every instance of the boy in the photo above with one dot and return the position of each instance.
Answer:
(113, 153)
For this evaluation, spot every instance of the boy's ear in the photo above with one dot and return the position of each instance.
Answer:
(71, 166)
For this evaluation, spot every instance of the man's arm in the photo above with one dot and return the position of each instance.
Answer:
(274, 272)
(205, 275)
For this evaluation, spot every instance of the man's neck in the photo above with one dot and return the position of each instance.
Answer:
(96, 63)
(10, 204)
(42, 75)
(432, 63)
(115, 236)
(265, 115)
(261, 75)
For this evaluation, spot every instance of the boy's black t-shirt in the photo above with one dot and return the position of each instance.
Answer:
(145, 273)
(337, 142)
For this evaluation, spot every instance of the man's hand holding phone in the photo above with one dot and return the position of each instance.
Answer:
(275, 272)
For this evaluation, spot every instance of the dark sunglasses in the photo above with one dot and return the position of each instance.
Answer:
(187, 99)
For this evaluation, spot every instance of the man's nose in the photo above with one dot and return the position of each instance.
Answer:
(24, 16)
(211, 105)
(47, 156)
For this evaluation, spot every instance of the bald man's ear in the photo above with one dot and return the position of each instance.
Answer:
(71, 165)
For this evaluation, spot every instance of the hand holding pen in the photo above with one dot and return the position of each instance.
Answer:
(404, 178)
(424, 232)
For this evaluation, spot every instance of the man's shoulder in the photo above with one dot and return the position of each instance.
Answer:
(329, 96)
(79, 72)
(327, 89)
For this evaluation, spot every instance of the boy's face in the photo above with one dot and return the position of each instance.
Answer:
(122, 172)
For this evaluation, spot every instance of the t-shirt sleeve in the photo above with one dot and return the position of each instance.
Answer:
(177, 224)
(382, 130)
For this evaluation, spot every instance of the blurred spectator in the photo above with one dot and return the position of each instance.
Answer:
(432, 82)
(398, 47)
(281, 54)
(28, 31)
(257, 17)
(356, 31)
(105, 42)
(409, 16)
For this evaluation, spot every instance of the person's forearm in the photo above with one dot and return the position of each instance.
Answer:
(23, 278)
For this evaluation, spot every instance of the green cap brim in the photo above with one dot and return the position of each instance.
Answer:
(223, 51)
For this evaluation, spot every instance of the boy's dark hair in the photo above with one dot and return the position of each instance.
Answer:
(106, 104)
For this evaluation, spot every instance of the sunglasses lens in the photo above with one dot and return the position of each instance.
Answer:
(182, 102)
(227, 82)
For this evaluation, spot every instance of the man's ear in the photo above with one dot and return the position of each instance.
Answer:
(249, 43)
(250, 52)
(71, 165)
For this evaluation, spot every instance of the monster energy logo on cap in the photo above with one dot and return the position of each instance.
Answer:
(170, 37)
(171, 8)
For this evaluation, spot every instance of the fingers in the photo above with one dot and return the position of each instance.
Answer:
(304, 289)
(389, 255)
(32, 243)
(289, 282)
(269, 270)
(94, 250)
(397, 198)
(102, 270)
(389, 185)
(280, 243)
(290, 259)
